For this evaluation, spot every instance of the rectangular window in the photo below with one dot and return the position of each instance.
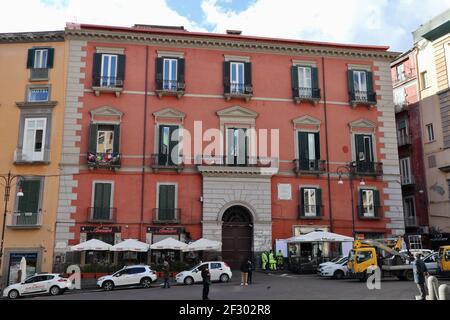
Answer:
(108, 70)
(237, 146)
(400, 72)
(310, 202)
(34, 139)
(430, 131)
(237, 75)
(168, 144)
(40, 58)
(405, 171)
(409, 210)
(40, 94)
(170, 74)
(364, 153)
(309, 150)
(305, 81)
(360, 85)
(167, 202)
(29, 206)
(368, 203)
(105, 139)
(425, 80)
(102, 201)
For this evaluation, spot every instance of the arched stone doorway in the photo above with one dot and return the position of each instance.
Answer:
(237, 235)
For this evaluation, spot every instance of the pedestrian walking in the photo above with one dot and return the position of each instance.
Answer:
(265, 260)
(250, 271)
(166, 270)
(206, 276)
(244, 272)
(420, 272)
(272, 261)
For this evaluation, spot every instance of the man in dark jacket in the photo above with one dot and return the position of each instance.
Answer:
(420, 272)
(206, 276)
(250, 269)
(166, 269)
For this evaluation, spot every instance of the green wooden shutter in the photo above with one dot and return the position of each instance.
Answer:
(248, 77)
(166, 202)
(317, 144)
(121, 63)
(96, 69)
(315, 83)
(227, 76)
(116, 142)
(302, 202)
(351, 84)
(93, 138)
(159, 73)
(102, 200)
(31, 195)
(181, 77)
(294, 76)
(359, 146)
(376, 202)
(371, 95)
(50, 57)
(319, 202)
(360, 201)
(303, 149)
(30, 59)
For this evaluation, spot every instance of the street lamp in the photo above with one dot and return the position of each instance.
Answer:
(347, 170)
(8, 180)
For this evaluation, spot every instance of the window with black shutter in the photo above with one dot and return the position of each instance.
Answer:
(102, 201)
(108, 70)
(310, 202)
(167, 144)
(360, 86)
(166, 203)
(309, 151)
(305, 83)
(369, 203)
(364, 153)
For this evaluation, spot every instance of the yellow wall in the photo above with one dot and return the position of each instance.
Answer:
(13, 84)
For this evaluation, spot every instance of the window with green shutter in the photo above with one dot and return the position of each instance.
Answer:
(102, 201)
(369, 203)
(360, 87)
(29, 205)
(305, 82)
(166, 202)
(310, 202)
(309, 151)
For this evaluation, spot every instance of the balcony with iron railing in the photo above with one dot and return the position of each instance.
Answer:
(370, 212)
(310, 212)
(403, 77)
(166, 215)
(306, 94)
(363, 98)
(39, 74)
(31, 158)
(107, 84)
(366, 168)
(407, 181)
(238, 90)
(164, 162)
(170, 88)
(102, 214)
(411, 221)
(25, 220)
(307, 166)
(104, 160)
(403, 140)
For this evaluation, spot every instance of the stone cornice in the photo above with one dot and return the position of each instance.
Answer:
(46, 36)
(189, 41)
(46, 104)
(224, 171)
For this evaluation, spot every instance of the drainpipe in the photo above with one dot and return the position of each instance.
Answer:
(144, 143)
(330, 211)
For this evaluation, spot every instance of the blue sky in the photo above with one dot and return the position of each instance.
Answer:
(378, 22)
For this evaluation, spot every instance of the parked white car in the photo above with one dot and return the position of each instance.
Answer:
(335, 260)
(220, 271)
(336, 270)
(129, 276)
(46, 283)
(424, 252)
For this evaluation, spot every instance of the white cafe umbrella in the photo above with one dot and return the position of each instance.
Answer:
(91, 245)
(168, 244)
(203, 244)
(320, 236)
(23, 269)
(131, 245)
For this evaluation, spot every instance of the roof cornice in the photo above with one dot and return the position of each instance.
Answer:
(210, 42)
(21, 37)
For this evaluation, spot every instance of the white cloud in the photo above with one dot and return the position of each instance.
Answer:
(384, 22)
(36, 15)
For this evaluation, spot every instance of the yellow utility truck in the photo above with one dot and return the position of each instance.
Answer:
(387, 257)
(444, 261)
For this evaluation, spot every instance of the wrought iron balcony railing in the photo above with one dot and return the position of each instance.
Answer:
(363, 97)
(102, 214)
(366, 168)
(104, 160)
(310, 211)
(369, 211)
(403, 140)
(238, 90)
(25, 220)
(305, 93)
(164, 161)
(309, 166)
(166, 215)
(107, 82)
(407, 181)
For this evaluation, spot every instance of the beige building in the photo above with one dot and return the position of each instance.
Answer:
(31, 128)
(432, 44)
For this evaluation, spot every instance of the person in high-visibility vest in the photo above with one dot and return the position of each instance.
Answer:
(272, 261)
(264, 260)
(280, 259)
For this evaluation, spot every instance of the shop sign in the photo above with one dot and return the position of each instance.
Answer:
(165, 230)
(100, 229)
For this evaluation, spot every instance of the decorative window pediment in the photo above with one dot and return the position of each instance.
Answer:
(307, 122)
(237, 112)
(106, 114)
(362, 124)
(169, 113)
